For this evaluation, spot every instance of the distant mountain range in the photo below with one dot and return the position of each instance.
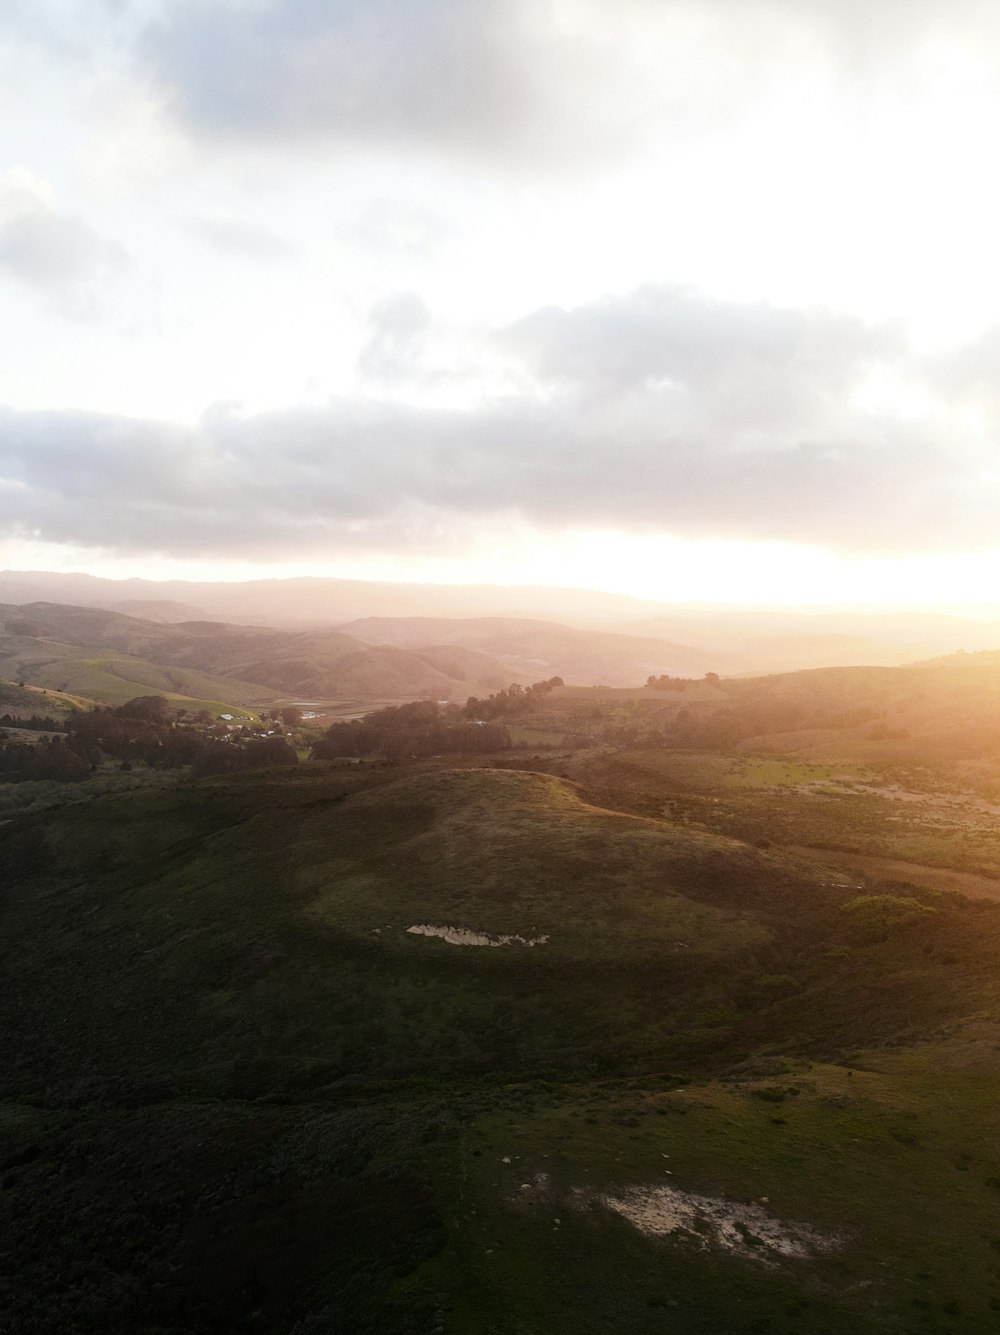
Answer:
(541, 649)
(731, 640)
(195, 647)
(110, 658)
(318, 602)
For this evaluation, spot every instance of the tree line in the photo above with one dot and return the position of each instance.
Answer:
(512, 702)
(145, 731)
(411, 731)
(37, 723)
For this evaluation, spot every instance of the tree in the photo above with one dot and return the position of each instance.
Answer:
(291, 716)
(149, 708)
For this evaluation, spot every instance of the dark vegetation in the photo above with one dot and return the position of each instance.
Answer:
(240, 1095)
(50, 758)
(34, 723)
(411, 731)
(514, 702)
(147, 730)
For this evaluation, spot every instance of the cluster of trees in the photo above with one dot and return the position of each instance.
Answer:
(143, 731)
(36, 723)
(665, 682)
(512, 702)
(256, 753)
(147, 730)
(50, 758)
(410, 731)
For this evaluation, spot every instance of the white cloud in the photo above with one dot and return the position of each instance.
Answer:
(352, 205)
(56, 254)
(727, 420)
(232, 236)
(478, 76)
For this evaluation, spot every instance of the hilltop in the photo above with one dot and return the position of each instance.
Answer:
(723, 638)
(347, 1051)
(109, 657)
(570, 1007)
(535, 649)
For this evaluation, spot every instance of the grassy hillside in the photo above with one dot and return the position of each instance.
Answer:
(541, 649)
(89, 648)
(90, 652)
(27, 700)
(240, 1093)
(781, 641)
(870, 715)
(111, 678)
(322, 602)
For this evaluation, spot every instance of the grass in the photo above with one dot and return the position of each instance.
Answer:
(111, 678)
(239, 1095)
(895, 1164)
(516, 853)
(921, 815)
(28, 700)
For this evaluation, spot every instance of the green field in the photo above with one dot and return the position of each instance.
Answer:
(112, 679)
(723, 1089)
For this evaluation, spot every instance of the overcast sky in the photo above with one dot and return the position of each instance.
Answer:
(691, 298)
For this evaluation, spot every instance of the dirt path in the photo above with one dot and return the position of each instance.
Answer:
(895, 869)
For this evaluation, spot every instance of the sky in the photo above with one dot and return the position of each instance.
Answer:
(692, 299)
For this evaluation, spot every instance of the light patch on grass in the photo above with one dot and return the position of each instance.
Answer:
(462, 936)
(710, 1221)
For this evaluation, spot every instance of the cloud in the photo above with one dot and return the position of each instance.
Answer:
(754, 427)
(242, 240)
(399, 72)
(58, 255)
(398, 323)
(682, 367)
(663, 332)
(514, 82)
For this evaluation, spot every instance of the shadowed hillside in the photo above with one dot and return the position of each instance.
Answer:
(542, 648)
(389, 1051)
(109, 657)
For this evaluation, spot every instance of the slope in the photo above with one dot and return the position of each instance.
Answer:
(241, 1094)
(540, 649)
(42, 642)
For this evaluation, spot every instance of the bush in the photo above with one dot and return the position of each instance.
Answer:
(877, 916)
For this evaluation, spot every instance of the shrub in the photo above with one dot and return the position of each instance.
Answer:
(878, 916)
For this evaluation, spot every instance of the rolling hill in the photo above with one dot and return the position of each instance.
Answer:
(744, 640)
(764, 640)
(540, 649)
(310, 602)
(110, 658)
(922, 713)
(625, 1074)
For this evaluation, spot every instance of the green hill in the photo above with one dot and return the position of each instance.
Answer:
(622, 1077)
(112, 678)
(109, 657)
(534, 650)
(925, 713)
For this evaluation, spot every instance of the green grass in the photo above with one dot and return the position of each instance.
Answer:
(521, 854)
(112, 678)
(898, 1165)
(239, 1095)
(28, 700)
(790, 802)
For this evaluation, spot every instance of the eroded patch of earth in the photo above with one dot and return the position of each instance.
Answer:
(463, 936)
